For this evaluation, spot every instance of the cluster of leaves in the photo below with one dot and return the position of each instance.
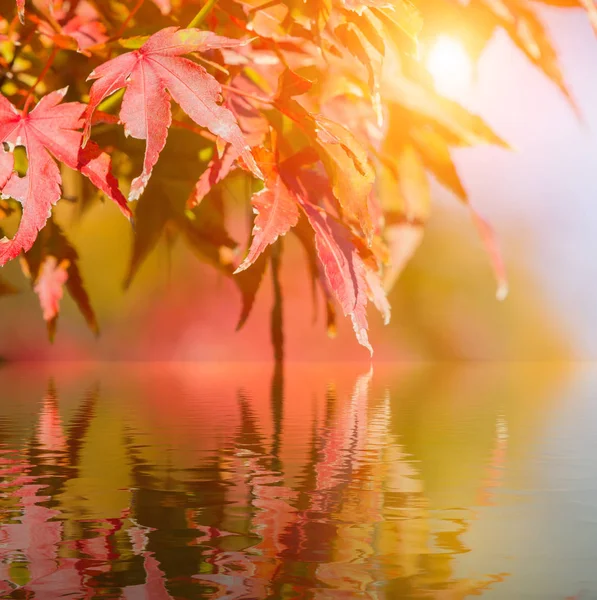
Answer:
(320, 111)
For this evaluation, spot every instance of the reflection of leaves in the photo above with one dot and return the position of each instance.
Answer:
(209, 514)
(79, 425)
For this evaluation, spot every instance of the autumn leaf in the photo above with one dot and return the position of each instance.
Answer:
(51, 255)
(49, 130)
(344, 158)
(350, 170)
(344, 269)
(218, 168)
(48, 286)
(78, 30)
(304, 233)
(254, 127)
(402, 22)
(490, 241)
(151, 75)
(424, 145)
(276, 213)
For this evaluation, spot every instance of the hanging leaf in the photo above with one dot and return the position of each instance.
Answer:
(52, 264)
(344, 269)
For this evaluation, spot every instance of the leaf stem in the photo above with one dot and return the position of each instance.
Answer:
(202, 14)
(126, 22)
(41, 76)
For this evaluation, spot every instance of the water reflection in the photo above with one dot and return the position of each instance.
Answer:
(236, 482)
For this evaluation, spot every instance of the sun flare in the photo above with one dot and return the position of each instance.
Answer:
(449, 65)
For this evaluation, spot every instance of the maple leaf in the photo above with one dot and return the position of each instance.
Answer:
(151, 75)
(349, 168)
(217, 170)
(49, 286)
(51, 264)
(254, 127)
(345, 160)
(49, 130)
(276, 212)
(78, 31)
(344, 269)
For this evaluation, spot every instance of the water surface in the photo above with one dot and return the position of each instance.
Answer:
(324, 481)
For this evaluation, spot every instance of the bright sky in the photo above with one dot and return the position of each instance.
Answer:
(549, 185)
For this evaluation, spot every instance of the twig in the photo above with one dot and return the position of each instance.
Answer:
(43, 73)
(126, 22)
(202, 14)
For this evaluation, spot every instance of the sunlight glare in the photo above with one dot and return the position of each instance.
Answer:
(450, 66)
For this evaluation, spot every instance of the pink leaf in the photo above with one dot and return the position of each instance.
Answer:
(344, 269)
(154, 73)
(49, 131)
(217, 170)
(49, 286)
(6, 166)
(277, 212)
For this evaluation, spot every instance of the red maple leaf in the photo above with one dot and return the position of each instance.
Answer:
(151, 75)
(49, 286)
(254, 127)
(79, 30)
(345, 271)
(49, 130)
(276, 212)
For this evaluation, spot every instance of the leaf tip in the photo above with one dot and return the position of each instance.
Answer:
(242, 267)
